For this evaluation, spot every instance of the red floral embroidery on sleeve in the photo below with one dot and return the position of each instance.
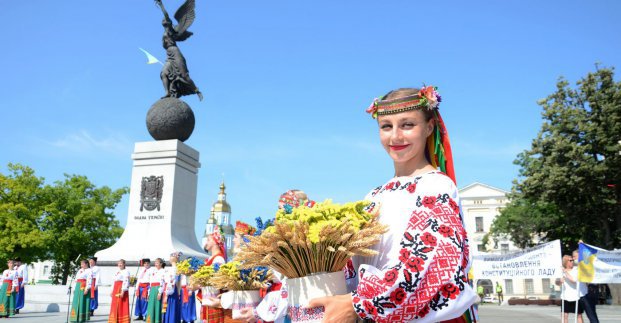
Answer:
(429, 201)
(429, 272)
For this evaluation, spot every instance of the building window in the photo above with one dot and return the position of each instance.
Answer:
(46, 270)
(508, 286)
(481, 248)
(504, 248)
(478, 202)
(528, 286)
(479, 224)
(545, 284)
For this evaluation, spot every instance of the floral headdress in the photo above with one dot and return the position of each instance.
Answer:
(438, 144)
(290, 198)
(219, 239)
(243, 228)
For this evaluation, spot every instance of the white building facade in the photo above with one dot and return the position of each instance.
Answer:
(481, 204)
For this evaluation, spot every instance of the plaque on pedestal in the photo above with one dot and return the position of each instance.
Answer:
(162, 206)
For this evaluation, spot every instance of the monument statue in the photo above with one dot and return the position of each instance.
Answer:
(170, 117)
(175, 75)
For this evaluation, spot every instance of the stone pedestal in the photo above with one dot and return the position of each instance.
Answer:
(162, 207)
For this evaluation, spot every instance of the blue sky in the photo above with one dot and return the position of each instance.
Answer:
(286, 84)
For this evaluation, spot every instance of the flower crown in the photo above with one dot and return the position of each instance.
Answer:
(244, 228)
(426, 98)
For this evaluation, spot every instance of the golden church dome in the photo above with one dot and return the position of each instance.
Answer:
(221, 205)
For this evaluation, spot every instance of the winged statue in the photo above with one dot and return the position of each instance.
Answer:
(175, 74)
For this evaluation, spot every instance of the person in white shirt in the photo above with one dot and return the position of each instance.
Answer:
(80, 306)
(571, 294)
(119, 306)
(142, 292)
(173, 305)
(22, 277)
(157, 281)
(8, 291)
(95, 282)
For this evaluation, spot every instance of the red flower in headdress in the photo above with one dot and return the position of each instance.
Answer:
(219, 240)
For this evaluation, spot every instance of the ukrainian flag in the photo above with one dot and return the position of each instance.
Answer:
(586, 257)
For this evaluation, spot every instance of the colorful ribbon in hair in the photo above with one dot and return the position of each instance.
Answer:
(438, 144)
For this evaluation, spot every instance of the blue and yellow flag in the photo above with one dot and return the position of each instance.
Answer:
(598, 266)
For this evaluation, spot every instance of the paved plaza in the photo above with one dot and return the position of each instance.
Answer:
(487, 313)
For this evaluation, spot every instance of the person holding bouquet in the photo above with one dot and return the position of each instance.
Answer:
(172, 301)
(157, 281)
(81, 304)
(119, 306)
(420, 271)
(216, 247)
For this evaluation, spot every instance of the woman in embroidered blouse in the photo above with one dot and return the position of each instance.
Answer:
(157, 281)
(81, 305)
(8, 290)
(420, 272)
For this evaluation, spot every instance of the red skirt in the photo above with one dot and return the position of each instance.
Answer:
(119, 309)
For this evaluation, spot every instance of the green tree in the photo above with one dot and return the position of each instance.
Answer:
(79, 221)
(569, 184)
(21, 211)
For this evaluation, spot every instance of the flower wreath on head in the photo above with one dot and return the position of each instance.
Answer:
(244, 230)
(438, 143)
(219, 239)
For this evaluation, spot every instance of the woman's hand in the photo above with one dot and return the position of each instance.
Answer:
(215, 301)
(247, 315)
(337, 308)
(85, 291)
(159, 297)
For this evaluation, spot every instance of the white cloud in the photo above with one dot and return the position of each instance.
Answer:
(85, 142)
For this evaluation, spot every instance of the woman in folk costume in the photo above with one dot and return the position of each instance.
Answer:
(420, 272)
(172, 302)
(119, 306)
(8, 291)
(142, 292)
(81, 304)
(95, 282)
(188, 302)
(157, 281)
(22, 278)
(216, 247)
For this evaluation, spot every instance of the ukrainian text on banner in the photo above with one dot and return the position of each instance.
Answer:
(598, 266)
(541, 261)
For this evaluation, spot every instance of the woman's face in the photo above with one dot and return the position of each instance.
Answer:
(83, 264)
(404, 135)
(158, 264)
(237, 241)
(210, 243)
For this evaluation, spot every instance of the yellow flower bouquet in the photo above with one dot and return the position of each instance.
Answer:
(202, 277)
(243, 286)
(319, 239)
(311, 246)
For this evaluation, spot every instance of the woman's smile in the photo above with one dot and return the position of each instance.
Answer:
(398, 147)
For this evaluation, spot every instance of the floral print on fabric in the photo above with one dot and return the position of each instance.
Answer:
(427, 273)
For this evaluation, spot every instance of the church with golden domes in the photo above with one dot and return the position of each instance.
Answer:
(220, 215)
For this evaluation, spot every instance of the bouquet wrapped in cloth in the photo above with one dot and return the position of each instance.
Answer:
(311, 246)
(201, 279)
(242, 284)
